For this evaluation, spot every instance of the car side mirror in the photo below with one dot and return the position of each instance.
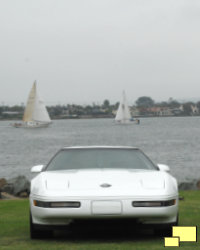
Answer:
(164, 168)
(37, 169)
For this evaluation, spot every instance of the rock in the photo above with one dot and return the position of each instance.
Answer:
(189, 185)
(17, 185)
(198, 184)
(7, 196)
(2, 182)
(23, 195)
(8, 188)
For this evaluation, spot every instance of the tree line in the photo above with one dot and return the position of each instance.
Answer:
(144, 105)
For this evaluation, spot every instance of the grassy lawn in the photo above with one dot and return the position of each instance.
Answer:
(14, 230)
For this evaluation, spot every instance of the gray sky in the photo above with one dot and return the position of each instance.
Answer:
(84, 51)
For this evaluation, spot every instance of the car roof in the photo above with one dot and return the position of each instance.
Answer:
(100, 147)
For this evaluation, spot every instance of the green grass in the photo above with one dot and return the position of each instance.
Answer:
(14, 230)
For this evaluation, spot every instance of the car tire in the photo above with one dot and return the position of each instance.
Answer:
(38, 234)
(177, 220)
(162, 232)
(167, 230)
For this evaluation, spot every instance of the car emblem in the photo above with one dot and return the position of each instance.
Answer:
(105, 185)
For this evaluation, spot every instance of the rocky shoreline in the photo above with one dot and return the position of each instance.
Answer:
(19, 187)
(14, 187)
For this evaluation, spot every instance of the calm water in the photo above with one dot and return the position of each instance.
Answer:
(173, 141)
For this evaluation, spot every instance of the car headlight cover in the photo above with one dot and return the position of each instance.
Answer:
(154, 203)
(57, 204)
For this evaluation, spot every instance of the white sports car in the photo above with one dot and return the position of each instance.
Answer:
(101, 182)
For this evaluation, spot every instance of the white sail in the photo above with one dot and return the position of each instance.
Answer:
(123, 113)
(40, 113)
(30, 105)
(35, 114)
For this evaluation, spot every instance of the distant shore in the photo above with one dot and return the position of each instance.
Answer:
(97, 117)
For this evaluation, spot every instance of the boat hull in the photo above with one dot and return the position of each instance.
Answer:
(30, 125)
(129, 122)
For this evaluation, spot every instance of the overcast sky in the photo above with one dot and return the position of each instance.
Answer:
(84, 51)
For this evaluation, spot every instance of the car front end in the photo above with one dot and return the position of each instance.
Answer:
(99, 191)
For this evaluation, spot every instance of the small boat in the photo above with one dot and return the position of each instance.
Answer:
(123, 115)
(35, 114)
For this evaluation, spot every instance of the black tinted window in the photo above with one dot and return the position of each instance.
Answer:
(100, 158)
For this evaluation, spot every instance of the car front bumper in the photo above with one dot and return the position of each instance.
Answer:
(103, 208)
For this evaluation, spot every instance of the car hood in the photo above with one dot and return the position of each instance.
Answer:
(102, 182)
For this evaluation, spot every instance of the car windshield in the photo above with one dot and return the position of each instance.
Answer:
(104, 158)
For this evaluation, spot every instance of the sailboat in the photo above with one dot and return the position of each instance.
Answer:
(123, 115)
(35, 114)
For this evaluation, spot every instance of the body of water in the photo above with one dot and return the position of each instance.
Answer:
(174, 141)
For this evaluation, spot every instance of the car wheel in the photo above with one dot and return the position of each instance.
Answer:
(38, 234)
(177, 220)
(167, 230)
(162, 232)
